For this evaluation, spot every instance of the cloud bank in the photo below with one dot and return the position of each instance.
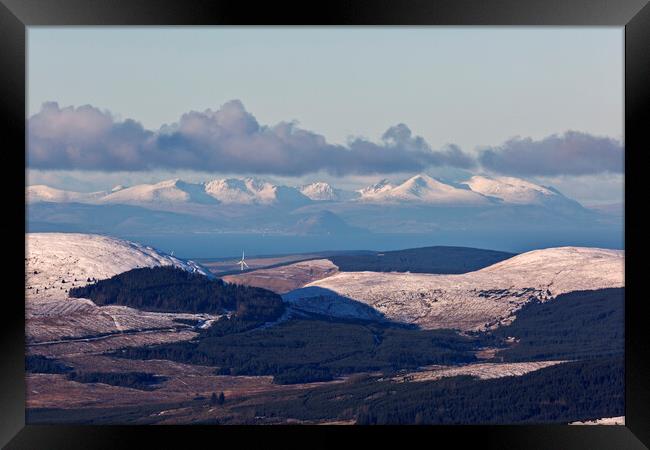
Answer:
(230, 140)
(572, 153)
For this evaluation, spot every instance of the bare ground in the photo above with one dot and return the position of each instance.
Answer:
(286, 278)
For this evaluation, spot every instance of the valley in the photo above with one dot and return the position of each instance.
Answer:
(144, 337)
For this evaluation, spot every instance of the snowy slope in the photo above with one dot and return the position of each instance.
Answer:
(55, 262)
(516, 191)
(42, 193)
(168, 191)
(56, 257)
(250, 191)
(422, 188)
(377, 190)
(471, 301)
(321, 191)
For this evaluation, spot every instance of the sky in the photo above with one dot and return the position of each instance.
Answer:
(347, 105)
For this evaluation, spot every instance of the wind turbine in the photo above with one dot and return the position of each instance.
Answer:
(242, 263)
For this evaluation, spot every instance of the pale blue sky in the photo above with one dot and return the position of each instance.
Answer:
(471, 86)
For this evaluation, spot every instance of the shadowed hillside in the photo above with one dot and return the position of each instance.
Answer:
(439, 259)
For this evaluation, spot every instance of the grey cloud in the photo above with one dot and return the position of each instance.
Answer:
(228, 140)
(86, 138)
(572, 153)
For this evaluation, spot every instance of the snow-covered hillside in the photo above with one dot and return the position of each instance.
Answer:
(168, 191)
(517, 191)
(249, 191)
(245, 191)
(56, 262)
(471, 301)
(321, 191)
(377, 190)
(42, 193)
(424, 189)
(483, 371)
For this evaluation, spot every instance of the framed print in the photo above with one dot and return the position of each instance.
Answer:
(387, 219)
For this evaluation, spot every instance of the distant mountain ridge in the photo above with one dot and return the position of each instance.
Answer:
(420, 189)
(419, 205)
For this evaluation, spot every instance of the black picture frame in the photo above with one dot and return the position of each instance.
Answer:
(16, 15)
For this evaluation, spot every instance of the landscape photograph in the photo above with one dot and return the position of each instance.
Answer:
(325, 226)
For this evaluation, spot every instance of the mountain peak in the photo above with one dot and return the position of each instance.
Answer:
(241, 191)
(424, 189)
(422, 178)
(168, 183)
(319, 191)
(376, 190)
(421, 181)
(322, 191)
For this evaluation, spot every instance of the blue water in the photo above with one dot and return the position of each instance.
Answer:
(220, 245)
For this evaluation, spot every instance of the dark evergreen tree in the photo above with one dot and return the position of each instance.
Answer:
(169, 289)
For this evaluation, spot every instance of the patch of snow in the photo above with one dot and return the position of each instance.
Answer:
(483, 371)
(620, 420)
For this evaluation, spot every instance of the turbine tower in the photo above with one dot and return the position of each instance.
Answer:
(241, 262)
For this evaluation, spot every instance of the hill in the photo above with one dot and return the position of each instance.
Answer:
(472, 301)
(439, 259)
(168, 289)
(55, 261)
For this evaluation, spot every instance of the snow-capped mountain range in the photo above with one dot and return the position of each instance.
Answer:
(421, 189)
